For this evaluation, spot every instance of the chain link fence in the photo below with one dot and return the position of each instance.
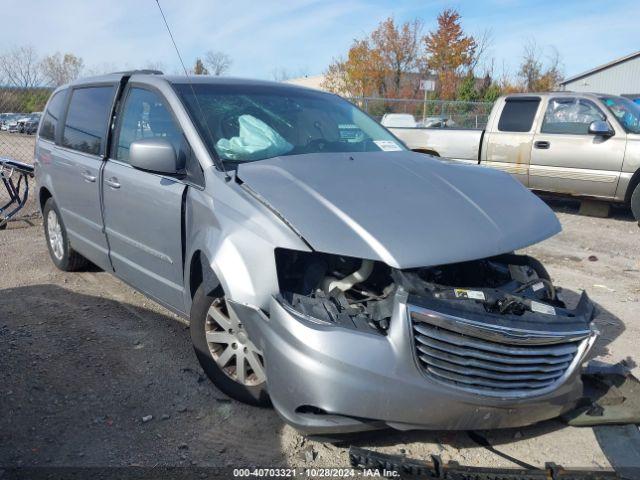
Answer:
(427, 113)
(20, 111)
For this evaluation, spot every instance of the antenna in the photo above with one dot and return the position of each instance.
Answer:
(216, 159)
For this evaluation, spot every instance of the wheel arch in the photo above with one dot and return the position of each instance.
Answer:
(633, 183)
(426, 151)
(43, 195)
(200, 273)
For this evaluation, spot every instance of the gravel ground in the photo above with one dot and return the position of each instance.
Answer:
(94, 374)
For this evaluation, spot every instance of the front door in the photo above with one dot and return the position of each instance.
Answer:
(78, 159)
(143, 210)
(565, 158)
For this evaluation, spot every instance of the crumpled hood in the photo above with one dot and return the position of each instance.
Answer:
(403, 208)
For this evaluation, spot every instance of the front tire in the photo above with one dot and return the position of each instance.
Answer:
(63, 256)
(635, 202)
(226, 354)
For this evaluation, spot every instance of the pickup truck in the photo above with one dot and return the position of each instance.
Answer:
(581, 144)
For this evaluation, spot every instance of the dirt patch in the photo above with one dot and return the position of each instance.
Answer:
(86, 361)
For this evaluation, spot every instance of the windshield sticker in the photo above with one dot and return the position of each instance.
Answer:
(542, 308)
(474, 294)
(388, 145)
(350, 132)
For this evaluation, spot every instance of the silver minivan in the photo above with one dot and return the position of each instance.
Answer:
(325, 269)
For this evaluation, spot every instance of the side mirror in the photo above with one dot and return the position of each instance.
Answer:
(601, 128)
(155, 155)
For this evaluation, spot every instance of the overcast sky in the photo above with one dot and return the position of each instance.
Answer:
(303, 36)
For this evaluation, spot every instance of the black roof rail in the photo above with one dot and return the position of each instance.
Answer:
(138, 72)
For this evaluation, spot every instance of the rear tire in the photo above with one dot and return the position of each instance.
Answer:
(63, 256)
(635, 202)
(226, 354)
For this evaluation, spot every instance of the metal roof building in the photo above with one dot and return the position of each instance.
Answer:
(619, 77)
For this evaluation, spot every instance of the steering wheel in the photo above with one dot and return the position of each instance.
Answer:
(229, 125)
(318, 144)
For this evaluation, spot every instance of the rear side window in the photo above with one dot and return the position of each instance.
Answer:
(51, 116)
(518, 114)
(86, 122)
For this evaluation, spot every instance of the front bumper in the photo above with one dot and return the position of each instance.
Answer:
(325, 379)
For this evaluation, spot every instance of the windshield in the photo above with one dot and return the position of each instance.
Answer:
(243, 123)
(627, 112)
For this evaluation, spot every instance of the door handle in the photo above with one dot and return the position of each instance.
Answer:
(88, 177)
(112, 182)
(541, 145)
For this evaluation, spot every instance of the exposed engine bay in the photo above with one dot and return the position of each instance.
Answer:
(507, 289)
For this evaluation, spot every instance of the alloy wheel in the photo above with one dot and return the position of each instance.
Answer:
(54, 231)
(230, 346)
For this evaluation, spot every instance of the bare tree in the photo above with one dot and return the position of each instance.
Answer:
(102, 69)
(531, 67)
(534, 75)
(59, 69)
(280, 74)
(218, 62)
(20, 67)
(199, 68)
(151, 65)
(483, 45)
(554, 72)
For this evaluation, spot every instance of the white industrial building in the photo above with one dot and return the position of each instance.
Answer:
(619, 77)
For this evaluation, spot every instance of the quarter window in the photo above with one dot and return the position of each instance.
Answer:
(86, 122)
(145, 115)
(51, 116)
(518, 114)
(570, 116)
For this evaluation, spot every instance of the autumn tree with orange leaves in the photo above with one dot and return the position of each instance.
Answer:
(399, 50)
(449, 52)
(394, 57)
(377, 66)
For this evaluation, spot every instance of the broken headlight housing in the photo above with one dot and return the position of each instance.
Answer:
(336, 290)
(359, 294)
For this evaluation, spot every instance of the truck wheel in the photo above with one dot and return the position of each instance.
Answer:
(63, 256)
(225, 352)
(635, 203)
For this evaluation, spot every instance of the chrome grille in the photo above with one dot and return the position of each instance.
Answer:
(487, 363)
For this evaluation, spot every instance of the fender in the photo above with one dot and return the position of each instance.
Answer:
(242, 261)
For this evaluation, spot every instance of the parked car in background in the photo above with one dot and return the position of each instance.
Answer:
(13, 126)
(4, 117)
(580, 144)
(324, 268)
(10, 122)
(436, 122)
(403, 120)
(29, 124)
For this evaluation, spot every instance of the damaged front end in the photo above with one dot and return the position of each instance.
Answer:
(494, 328)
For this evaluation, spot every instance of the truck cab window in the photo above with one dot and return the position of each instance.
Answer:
(145, 116)
(570, 116)
(518, 114)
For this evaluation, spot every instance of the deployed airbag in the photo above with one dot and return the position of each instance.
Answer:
(255, 140)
